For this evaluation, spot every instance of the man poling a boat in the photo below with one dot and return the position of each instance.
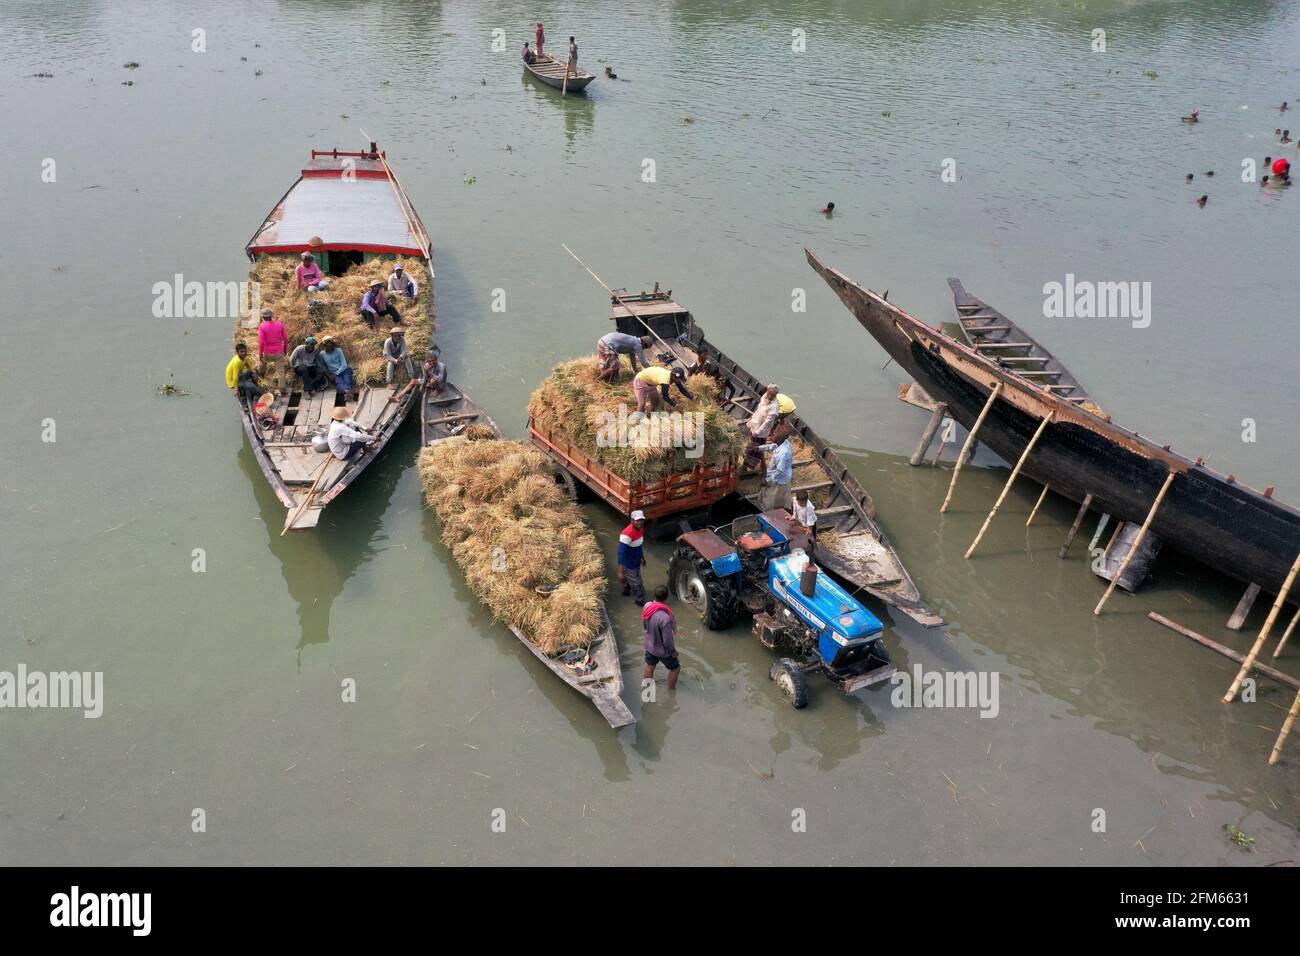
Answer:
(660, 638)
(346, 438)
(631, 558)
(571, 68)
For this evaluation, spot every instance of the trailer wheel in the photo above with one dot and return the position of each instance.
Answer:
(567, 483)
(790, 681)
(692, 579)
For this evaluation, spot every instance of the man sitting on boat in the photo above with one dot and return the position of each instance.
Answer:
(240, 378)
(651, 384)
(433, 377)
(529, 56)
(804, 514)
(346, 437)
(611, 346)
(337, 369)
(394, 352)
(374, 304)
(402, 284)
(307, 276)
(308, 366)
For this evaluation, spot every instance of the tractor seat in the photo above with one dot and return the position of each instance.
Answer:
(755, 541)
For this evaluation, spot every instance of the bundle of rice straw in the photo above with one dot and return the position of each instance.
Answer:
(335, 311)
(512, 530)
(574, 401)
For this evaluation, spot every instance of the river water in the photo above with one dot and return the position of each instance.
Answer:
(223, 688)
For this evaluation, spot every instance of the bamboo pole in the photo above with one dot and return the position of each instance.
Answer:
(1286, 729)
(927, 436)
(1137, 542)
(1287, 633)
(1078, 523)
(1263, 633)
(970, 440)
(1042, 427)
(617, 299)
(329, 457)
(1046, 489)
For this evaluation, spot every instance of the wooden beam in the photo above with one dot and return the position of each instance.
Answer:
(927, 436)
(970, 440)
(1264, 632)
(1242, 610)
(1137, 542)
(1078, 522)
(1226, 651)
(1042, 427)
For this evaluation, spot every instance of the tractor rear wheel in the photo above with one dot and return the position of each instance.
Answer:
(566, 483)
(790, 681)
(692, 579)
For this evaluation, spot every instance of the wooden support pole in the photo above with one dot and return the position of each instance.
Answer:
(1242, 610)
(1286, 729)
(970, 441)
(1228, 652)
(927, 436)
(1137, 542)
(1287, 633)
(1263, 633)
(1046, 489)
(1024, 456)
(1078, 522)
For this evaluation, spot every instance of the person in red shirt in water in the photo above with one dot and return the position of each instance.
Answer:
(660, 639)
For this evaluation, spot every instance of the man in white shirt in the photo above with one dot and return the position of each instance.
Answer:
(760, 425)
(403, 284)
(804, 514)
(346, 437)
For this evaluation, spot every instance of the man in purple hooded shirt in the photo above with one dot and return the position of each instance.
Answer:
(660, 638)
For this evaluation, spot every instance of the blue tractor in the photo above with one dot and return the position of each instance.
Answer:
(760, 563)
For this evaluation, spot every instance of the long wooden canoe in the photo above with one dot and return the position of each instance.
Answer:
(1213, 518)
(347, 205)
(602, 679)
(551, 72)
(853, 545)
(995, 336)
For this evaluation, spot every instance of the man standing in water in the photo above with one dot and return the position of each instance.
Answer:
(660, 638)
(631, 558)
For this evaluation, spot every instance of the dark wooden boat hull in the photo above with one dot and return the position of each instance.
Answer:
(447, 414)
(1225, 525)
(551, 72)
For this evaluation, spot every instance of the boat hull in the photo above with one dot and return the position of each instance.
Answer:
(1225, 525)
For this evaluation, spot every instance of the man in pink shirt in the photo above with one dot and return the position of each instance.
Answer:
(308, 275)
(272, 343)
(541, 39)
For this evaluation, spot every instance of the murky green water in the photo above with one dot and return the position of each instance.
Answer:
(223, 688)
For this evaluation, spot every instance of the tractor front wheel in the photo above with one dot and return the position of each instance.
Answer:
(790, 681)
(692, 579)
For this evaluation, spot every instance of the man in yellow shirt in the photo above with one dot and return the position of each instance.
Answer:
(652, 383)
(239, 376)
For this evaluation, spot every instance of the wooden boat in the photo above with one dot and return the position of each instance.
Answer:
(992, 334)
(355, 202)
(551, 72)
(1237, 530)
(448, 413)
(855, 548)
(602, 681)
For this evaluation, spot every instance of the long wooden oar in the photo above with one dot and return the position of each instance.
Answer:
(617, 299)
(329, 457)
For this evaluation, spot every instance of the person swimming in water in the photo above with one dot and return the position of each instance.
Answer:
(828, 210)
(1193, 117)
(1190, 177)
(1286, 136)
(610, 74)
(1203, 200)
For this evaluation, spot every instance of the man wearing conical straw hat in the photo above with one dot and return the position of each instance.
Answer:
(346, 438)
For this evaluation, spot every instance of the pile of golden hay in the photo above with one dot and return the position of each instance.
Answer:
(575, 402)
(512, 530)
(806, 471)
(337, 314)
